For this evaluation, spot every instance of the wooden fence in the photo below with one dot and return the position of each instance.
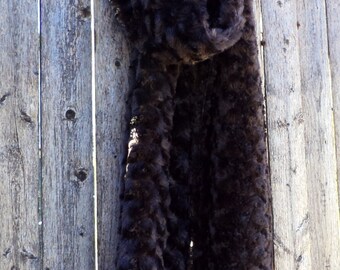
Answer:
(61, 142)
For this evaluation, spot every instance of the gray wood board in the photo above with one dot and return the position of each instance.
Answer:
(301, 134)
(67, 171)
(112, 83)
(333, 26)
(319, 134)
(19, 156)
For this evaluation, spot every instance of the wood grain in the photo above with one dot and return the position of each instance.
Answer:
(112, 83)
(19, 156)
(301, 131)
(286, 136)
(316, 88)
(67, 171)
(333, 26)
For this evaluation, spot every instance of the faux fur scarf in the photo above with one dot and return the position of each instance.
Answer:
(196, 189)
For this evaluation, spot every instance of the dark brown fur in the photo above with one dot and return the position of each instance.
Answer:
(196, 167)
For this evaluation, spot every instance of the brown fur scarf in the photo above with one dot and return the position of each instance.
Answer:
(196, 190)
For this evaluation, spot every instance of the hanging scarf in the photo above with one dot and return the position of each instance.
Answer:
(196, 189)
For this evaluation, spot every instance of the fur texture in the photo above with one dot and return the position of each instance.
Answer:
(178, 31)
(196, 192)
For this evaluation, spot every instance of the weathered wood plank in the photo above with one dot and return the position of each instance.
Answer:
(286, 136)
(112, 69)
(319, 135)
(333, 23)
(19, 156)
(67, 171)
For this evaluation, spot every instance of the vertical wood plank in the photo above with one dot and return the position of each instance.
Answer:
(319, 135)
(286, 136)
(19, 157)
(67, 170)
(112, 69)
(333, 23)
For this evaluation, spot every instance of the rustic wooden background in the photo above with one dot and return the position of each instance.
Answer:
(59, 183)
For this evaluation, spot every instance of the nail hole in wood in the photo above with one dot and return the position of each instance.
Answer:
(70, 114)
(85, 12)
(117, 63)
(81, 174)
(82, 231)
